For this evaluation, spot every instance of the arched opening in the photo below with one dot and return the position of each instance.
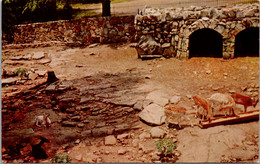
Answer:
(247, 42)
(205, 43)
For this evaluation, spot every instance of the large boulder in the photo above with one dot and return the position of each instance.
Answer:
(148, 46)
(153, 114)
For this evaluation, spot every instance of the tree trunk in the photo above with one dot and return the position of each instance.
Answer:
(106, 8)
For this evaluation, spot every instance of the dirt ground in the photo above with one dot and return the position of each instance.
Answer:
(113, 77)
(131, 7)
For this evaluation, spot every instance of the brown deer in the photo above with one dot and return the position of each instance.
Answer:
(222, 102)
(243, 100)
(206, 105)
(177, 111)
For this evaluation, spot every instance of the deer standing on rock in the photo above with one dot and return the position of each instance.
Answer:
(243, 100)
(206, 105)
(179, 111)
(222, 102)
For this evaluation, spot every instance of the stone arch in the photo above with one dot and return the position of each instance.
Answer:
(205, 42)
(247, 42)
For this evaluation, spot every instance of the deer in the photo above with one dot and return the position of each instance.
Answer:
(206, 105)
(243, 100)
(43, 120)
(222, 102)
(178, 110)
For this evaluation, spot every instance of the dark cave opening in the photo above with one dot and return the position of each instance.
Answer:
(205, 43)
(247, 43)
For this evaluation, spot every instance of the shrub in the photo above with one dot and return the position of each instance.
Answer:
(165, 146)
(21, 72)
(61, 158)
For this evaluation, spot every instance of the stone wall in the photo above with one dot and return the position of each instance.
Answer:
(166, 31)
(81, 31)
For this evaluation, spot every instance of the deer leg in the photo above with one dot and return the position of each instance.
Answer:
(245, 107)
(179, 121)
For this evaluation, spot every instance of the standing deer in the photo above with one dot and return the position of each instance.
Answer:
(222, 102)
(206, 105)
(177, 111)
(243, 100)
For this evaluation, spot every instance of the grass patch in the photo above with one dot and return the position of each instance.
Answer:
(119, 1)
(83, 6)
(247, 1)
(78, 13)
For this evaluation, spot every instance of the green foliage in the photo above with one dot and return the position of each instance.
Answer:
(26, 11)
(2, 59)
(119, 1)
(21, 72)
(165, 146)
(246, 1)
(60, 158)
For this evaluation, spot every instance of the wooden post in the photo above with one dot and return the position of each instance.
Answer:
(51, 77)
(106, 8)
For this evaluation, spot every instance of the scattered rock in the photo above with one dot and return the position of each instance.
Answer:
(41, 73)
(69, 124)
(44, 61)
(17, 57)
(153, 114)
(93, 45)
(175, 99)
(38, 55)
(232, 91)
(78, 157)
(81, 125)
(144, 135)
(110, 140)
(98, 132)
(138, 105)
(158, 98)
(122, 127)
(33, 76)
(147, 146)
(157, 132)
(121, 151)
(239, 153)
(77, 141)
(208, 71)
(75, 118)
(11, 80)
(86, 121)
(135, 142)
(133, 45)
(122, 136)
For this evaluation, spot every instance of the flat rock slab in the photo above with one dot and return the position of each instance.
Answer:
(38, 55)
(157, 132)
(158, 97)
(153, 114)
(44, 61)
(11, 80)
(69, 123)
(110, 140)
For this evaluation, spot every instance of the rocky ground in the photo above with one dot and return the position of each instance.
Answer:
(96, 103)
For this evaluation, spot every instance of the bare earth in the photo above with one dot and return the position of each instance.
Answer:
(131, 7)
(117, 64)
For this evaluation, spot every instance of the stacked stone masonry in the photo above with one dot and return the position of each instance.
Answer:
(163, 32)
(83, 31)
(166, 31)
